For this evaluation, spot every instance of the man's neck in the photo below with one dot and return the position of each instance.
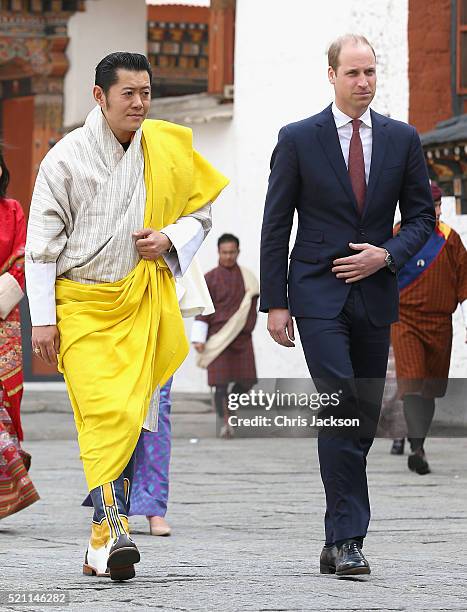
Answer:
(123, 137)
(351, 112)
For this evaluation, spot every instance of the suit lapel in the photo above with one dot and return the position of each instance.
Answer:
(329, 139)
(378, 151)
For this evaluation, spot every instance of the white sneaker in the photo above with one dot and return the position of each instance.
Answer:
(95, 560)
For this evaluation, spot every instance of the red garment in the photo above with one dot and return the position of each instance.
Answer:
(16, 488)
(237, 362)
(12, 242)
(357, 166)
(422, 338)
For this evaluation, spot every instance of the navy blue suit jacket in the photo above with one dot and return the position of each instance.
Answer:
(309, 175)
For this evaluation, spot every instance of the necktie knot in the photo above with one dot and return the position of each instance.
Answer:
(356, 123)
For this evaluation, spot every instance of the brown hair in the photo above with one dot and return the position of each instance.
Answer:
(335, 47)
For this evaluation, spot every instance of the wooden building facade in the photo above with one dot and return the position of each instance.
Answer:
(437, 33)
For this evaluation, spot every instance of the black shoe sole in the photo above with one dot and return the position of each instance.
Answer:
(415, 463)
(327, 569)
(121, 563)
(354, 571)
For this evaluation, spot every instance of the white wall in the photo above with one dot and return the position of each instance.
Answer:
(215, 141)
(281, 76)
(105, 26)
(458, 367)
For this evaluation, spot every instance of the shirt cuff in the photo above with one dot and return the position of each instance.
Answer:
(40, 289)
(464, 311)
(186, 235)
(199, 332)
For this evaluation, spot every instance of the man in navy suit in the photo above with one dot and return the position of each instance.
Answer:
(343, 171)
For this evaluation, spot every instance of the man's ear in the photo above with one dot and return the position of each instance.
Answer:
(99, 95)
(331, 75)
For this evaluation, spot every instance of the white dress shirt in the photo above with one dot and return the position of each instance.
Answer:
(345, 130)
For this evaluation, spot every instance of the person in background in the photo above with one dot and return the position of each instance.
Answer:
(223, 339)
(432, 283)
(16, 488)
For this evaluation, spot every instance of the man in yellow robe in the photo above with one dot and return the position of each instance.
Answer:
(120, 207)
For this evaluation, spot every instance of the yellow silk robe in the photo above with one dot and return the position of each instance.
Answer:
(120, 340)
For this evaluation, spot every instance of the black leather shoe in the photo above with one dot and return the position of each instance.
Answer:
(327, 560)
(417, 462)
(122, 557)
(397, 447)
(350, 560)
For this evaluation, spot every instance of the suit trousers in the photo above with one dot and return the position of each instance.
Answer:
(347, 355)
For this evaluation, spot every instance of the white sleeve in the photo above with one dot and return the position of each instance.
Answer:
(40, 288)
(199, 331)
(48, 215)
(204, 216)
(464, 311)
(187, 235)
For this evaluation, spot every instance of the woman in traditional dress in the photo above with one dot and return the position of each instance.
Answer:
(16, 488)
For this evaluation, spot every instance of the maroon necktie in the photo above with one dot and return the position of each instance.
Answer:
(357, 166)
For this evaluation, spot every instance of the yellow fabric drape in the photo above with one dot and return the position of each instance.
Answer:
(119, 340)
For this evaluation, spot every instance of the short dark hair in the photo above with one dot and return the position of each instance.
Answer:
(106, 69)
(228, 238)
(5, 178)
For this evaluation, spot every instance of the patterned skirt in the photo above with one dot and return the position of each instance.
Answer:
(11, 368)
(235, 364)
(150, 485)
(16, 488)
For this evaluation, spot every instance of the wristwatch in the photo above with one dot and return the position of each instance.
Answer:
(389, 261)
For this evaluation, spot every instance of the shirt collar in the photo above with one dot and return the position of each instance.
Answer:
(342, 119)
(111, 150)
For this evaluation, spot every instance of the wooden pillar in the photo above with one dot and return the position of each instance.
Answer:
(18, 145)
(221, 45)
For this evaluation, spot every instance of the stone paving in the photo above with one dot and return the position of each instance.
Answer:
(247, 529)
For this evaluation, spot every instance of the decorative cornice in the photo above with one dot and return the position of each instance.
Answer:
(33, 44)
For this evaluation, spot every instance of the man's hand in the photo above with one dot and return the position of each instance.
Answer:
(151, 243)
(199, 346)
(355, 267)
(280, 326)
(46, 343)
